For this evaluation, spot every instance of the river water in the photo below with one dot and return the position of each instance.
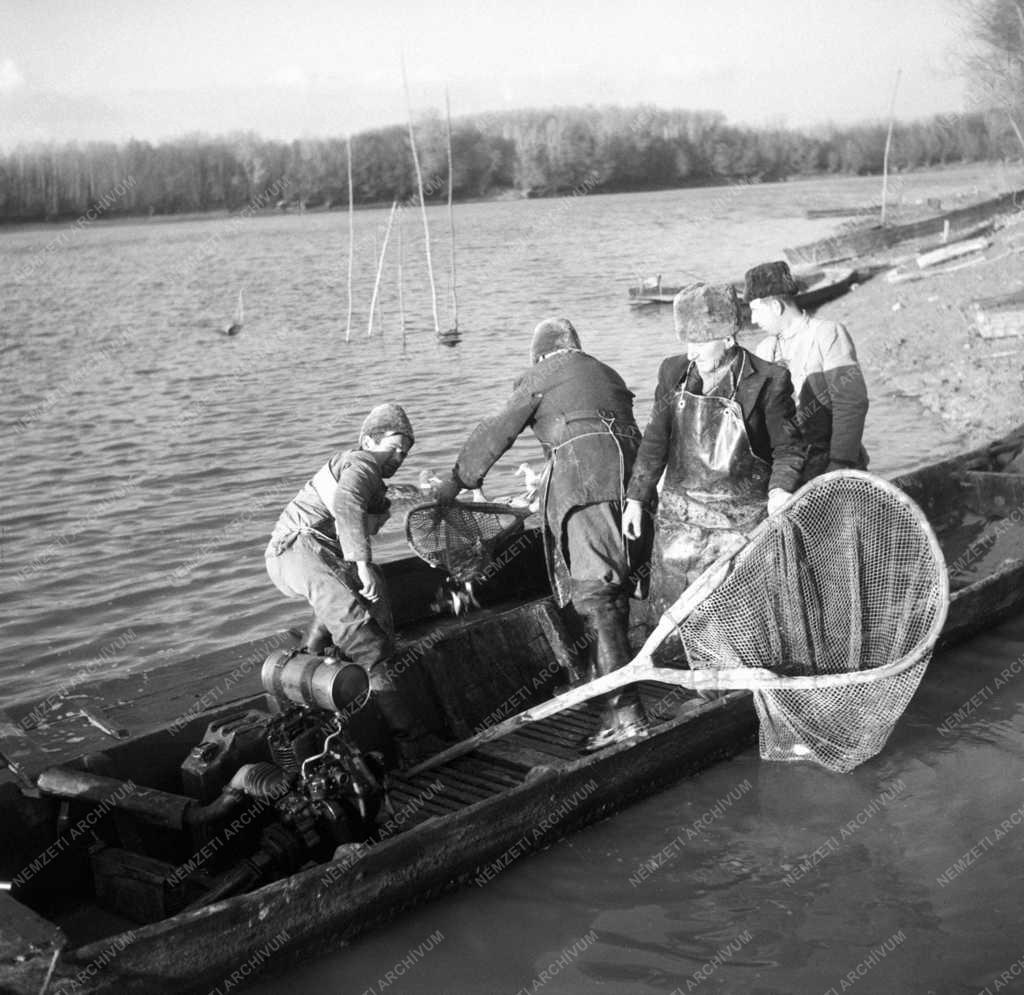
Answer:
(146, 457)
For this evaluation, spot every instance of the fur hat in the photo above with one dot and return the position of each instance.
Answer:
(770, 280)
(703, 313)
(553, 334)
(387, 419)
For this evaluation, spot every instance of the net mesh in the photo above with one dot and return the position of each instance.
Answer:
(462, 538)
(841, 596)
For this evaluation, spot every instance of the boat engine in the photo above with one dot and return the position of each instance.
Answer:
(264, 795)
(322, 787)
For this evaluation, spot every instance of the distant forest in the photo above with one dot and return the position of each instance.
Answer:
(526, 153)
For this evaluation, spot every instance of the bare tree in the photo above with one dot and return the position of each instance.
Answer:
(993, 56)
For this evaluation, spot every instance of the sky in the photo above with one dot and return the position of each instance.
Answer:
(152, 69)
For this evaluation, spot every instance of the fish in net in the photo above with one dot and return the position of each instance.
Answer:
(463, 539)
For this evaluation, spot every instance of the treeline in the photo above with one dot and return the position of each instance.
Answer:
(520, 153)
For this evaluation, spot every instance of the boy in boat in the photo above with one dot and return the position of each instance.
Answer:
(582, 413)
(320, 550)
(723, 430)
(831, 397)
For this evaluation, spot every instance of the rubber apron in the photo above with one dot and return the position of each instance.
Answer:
(714, 492)
(584, 423)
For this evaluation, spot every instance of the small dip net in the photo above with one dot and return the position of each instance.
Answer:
(462, 538)
(829, 615)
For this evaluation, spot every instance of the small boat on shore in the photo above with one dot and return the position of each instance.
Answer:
(842, 212)
(150, 846)
(817, 288)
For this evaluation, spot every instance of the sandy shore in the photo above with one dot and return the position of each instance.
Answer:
(920, 337)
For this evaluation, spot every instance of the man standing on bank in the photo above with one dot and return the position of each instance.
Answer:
(831, 398)
(320, 550)
(582, 413)
(723, 431)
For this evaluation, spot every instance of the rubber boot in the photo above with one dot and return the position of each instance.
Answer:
(316, 639)
(412, 739)
(623, 716)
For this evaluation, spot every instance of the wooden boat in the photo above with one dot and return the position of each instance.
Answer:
(818, 287)
(101, 890)
(843, 212)
(961, 223)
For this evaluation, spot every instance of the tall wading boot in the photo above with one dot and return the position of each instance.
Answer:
(623, 716)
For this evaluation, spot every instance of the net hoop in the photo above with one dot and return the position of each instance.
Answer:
(755, 678)
(469, 560)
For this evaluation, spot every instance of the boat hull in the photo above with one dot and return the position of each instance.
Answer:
(467, 820)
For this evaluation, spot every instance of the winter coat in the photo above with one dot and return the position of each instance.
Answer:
(764, 393)
(568, 399)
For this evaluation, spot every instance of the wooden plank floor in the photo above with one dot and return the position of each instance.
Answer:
(496, 766)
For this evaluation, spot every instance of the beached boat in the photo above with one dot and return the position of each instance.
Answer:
(852, 211)
(817, 288)
(132, 873)
(964, 222)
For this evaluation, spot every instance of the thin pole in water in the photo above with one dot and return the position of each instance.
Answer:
(380, 266)
(401, 281)
(423, 205)
(451, 211)
(351, 237)
(888, 143)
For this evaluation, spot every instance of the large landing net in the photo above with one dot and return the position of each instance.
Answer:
(462, 538)
(829, 616)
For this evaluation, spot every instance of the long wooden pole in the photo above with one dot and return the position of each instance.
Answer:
(640, 668)
(380, 267)
(423, 205)
(888, 144)
(401, 278)
(451, 211)
(351, 237)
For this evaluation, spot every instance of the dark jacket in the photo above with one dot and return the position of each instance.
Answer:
(764, 392)
(563, 399)
(342, 504)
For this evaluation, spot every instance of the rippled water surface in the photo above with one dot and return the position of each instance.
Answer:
(772, 879)
(146, 458)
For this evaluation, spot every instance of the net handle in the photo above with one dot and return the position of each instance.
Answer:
(642, 668)
(484, 507)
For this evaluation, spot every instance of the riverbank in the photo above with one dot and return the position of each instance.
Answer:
(910, 189)
(921, 338)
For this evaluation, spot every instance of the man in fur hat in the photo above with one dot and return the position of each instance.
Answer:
(831, 397)
(320, 550)
(723, 431)
(582, 413)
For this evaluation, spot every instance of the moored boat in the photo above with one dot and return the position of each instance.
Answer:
(107, 835)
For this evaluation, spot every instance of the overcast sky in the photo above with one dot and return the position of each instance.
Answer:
(288, 68)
